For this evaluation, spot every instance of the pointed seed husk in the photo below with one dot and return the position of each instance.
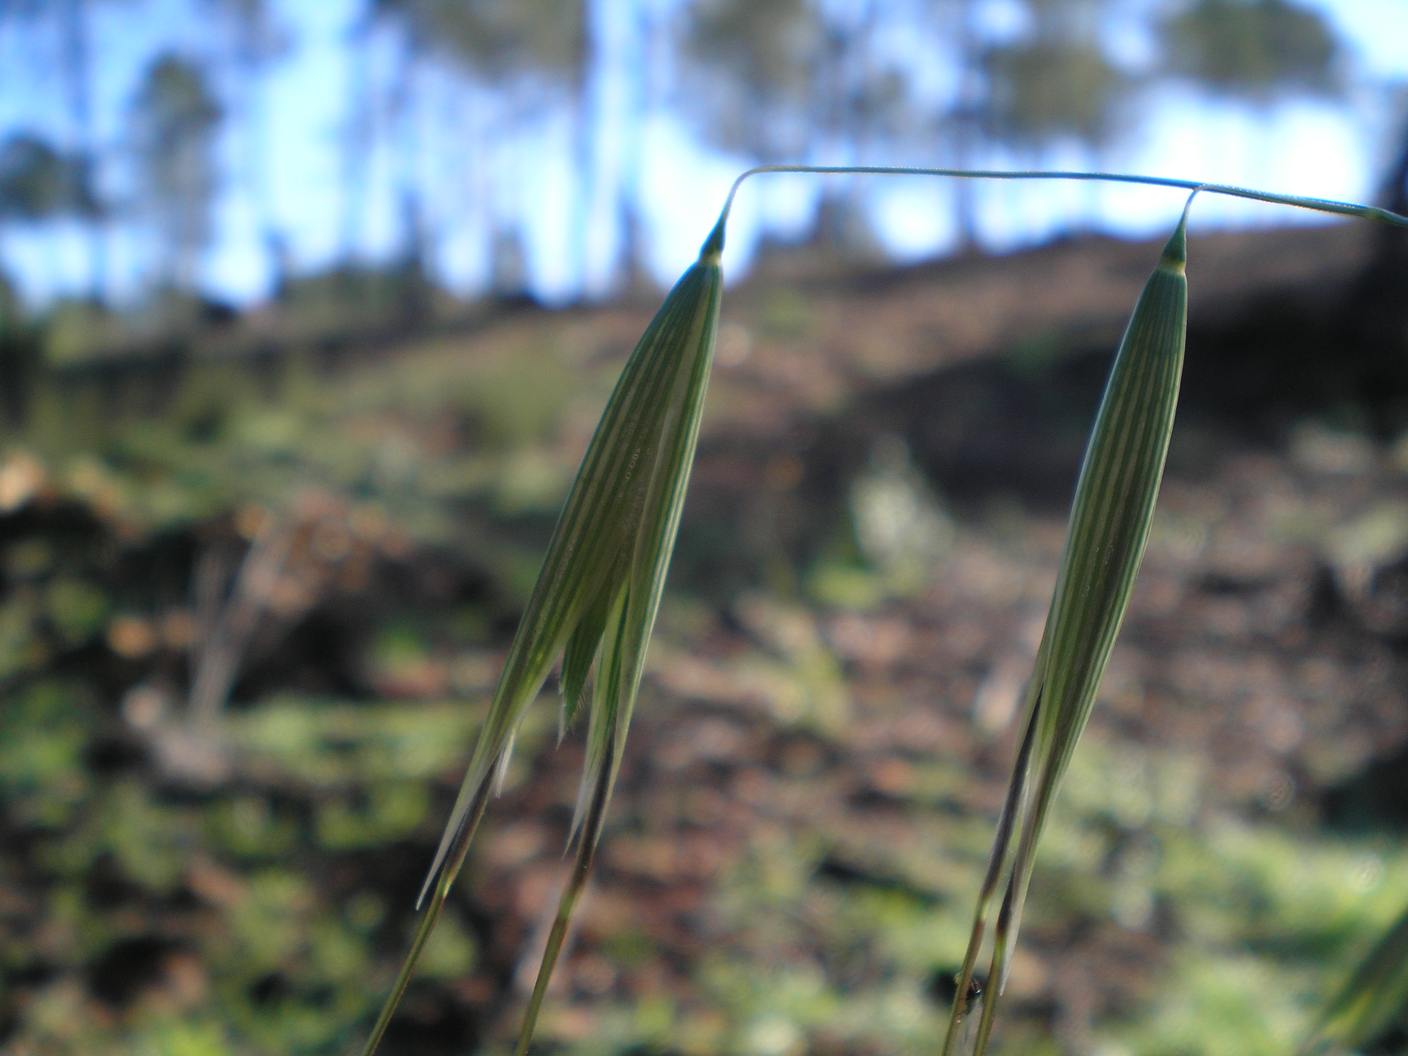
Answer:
(599, 588)
(1109, 526)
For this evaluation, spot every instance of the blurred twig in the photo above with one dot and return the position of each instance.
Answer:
(229, 627)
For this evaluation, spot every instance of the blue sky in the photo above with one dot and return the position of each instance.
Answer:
(1300, 147)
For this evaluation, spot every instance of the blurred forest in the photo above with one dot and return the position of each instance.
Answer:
(266, 526)
(140, 137)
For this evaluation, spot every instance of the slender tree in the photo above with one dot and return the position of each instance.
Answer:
(793, 79)
(175, 117)
(1393, 192)
(70, 19)
(526, 56)
(1057, 84)
(253, 40)
(1256, 51)
(1376, 308)
(963, 123)
(748, 71)
(581, 62)
(358, 135)
(644, 61)
(38, 184)
(19, 355)
(78, 83)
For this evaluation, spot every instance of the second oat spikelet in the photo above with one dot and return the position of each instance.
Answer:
(1109, 526)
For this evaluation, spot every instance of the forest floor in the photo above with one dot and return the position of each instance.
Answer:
(245, 641)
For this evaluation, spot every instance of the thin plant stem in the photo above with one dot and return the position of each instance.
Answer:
(1001, 938)
(432, 912)
(997, 861)
(581, 871)
(1319, 205)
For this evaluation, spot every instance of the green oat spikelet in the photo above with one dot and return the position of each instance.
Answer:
(1109, 526)
(597, 593)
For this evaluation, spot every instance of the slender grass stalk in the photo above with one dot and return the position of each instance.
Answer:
(1372, 1000)
(446, 879)
(599, 589)
(998, 859)
(1318, 205)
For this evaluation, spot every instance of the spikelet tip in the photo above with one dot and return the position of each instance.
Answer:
(1175, 255)
(713, 247)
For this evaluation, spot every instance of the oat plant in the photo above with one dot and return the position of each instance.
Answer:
(597, 594)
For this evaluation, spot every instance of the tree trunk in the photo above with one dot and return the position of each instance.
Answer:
(629, 271)
(357, 148)
(1393, 194)
(414, 256)
(78, 79)
(584, 125)
(964, 128)
(254, 51)
(1377, 309)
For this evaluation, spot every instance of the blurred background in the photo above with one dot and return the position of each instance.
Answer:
(307, 311)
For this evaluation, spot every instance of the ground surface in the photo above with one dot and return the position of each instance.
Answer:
(824, 734)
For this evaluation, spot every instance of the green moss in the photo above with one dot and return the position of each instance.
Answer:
(449, 953)
(180, 1037)
(21, 648)
(339, 744)
(76, 608)
(43, 732)
(383, 813)
(251, 827)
